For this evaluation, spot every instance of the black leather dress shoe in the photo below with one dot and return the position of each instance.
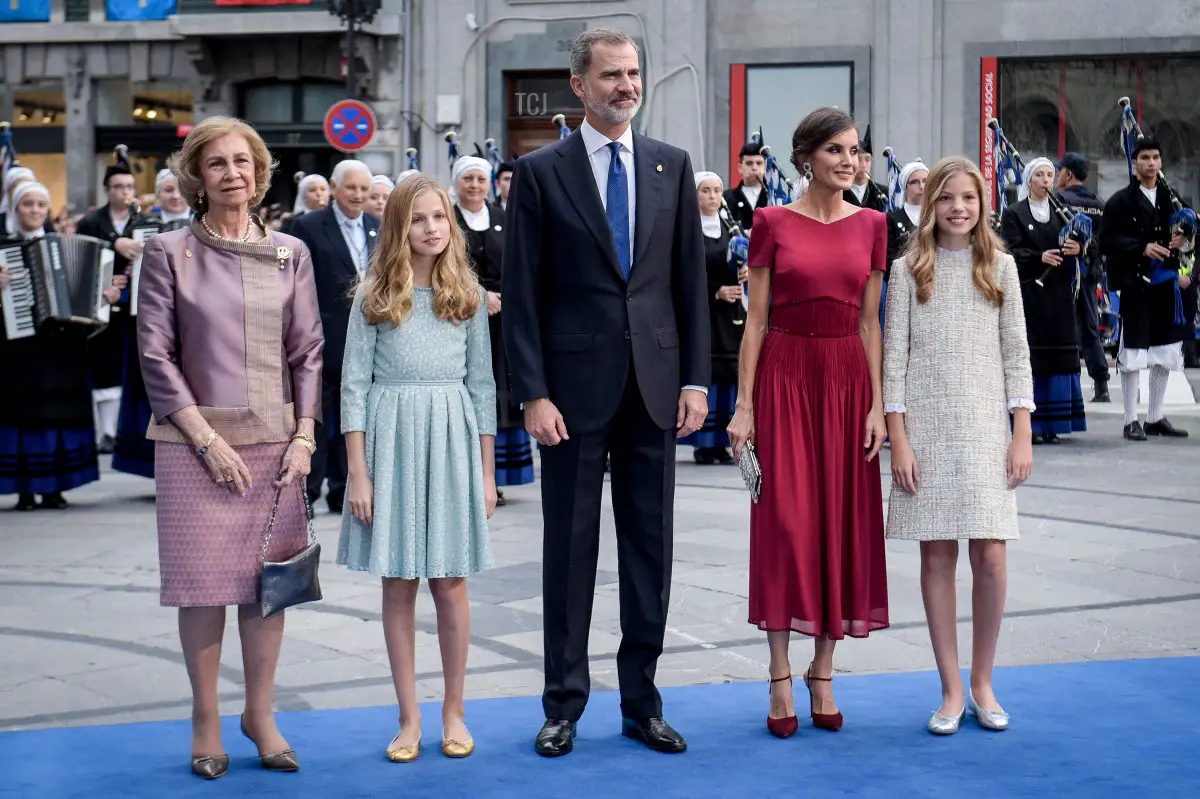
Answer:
(1134, 432)
(557, 738)
(1164, 428)
(655, 733)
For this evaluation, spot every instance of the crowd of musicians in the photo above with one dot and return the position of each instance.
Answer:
(81, 392)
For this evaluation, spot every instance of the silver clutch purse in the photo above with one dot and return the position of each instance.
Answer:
(751, 472)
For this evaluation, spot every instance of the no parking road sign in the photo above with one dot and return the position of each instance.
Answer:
(349, 125)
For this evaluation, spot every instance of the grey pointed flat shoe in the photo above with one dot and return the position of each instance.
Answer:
(210, 766)
(276, 761)
(996, 720)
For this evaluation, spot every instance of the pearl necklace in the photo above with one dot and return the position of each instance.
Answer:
(215, 235)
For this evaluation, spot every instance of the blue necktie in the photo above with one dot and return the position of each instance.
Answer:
(617, 207)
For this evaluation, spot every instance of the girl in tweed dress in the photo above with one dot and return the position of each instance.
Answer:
(957, 379)
(419, 415)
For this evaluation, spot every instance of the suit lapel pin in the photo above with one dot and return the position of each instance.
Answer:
(371, 233)
(498, 228)
(1031, 227)
(658, 168)
(187, 253)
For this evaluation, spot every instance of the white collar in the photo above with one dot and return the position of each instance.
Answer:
(342, 218)
(594, 140)
(710, 226)
(167, 216)
(32, 234)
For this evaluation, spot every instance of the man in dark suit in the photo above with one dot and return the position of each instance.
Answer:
(106, 350)
(606, 330)
(866, 192)
(340, 238)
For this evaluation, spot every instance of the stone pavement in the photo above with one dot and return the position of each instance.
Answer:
(1108, 566)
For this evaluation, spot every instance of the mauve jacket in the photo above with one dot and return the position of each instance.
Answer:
(233, 329)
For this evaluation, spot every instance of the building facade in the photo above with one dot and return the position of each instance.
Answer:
(78, 85)
(924, 74)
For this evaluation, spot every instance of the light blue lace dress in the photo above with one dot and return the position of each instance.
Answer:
(423, 393)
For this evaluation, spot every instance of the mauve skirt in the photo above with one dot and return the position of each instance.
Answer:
(210, 538)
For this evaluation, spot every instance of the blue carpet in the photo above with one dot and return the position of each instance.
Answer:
(1108, 729)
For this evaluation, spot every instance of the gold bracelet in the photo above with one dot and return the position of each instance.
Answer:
(212, 437)
(308, 443)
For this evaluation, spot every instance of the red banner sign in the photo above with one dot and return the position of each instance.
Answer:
(988, 95)
(263, 2)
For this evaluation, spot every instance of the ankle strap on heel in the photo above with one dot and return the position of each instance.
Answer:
(779, 679)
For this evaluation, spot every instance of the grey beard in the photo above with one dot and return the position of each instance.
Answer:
(613, 116)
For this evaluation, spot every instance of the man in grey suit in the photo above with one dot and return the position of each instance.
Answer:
(606, 331)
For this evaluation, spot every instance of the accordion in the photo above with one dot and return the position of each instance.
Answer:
(142, 233)
(56, 278)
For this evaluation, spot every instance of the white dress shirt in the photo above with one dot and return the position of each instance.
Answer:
(355, 236)
(596, 144)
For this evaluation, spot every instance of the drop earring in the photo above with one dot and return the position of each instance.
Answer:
(200, 194)
(808, 171)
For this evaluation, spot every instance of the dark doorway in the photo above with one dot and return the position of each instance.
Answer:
(533, 100)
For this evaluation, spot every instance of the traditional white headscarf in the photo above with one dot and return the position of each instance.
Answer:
(383, 180)
(162, 177)
(408, 173)
(703, 176)
(1027, 175)
(22, 190)
(12, 176)
(912, 210)
(710, 226)
(462, 166)
(302, 191)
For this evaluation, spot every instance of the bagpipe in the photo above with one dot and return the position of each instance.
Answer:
(8, 151)
(411, 155)
(896, 196)
(1183, 221)
(780, 190)
(493, 159)
(560, 121)
(1077, 227)
(451, 139)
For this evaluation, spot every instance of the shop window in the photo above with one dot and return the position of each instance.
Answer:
(294, 103)
(1048, 107)
(268, 105)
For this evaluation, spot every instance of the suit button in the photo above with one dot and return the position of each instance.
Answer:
(627, 335)
(629, 298)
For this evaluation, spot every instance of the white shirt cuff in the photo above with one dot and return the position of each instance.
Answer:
(702, 389)
(1021, 402)
(894, 407)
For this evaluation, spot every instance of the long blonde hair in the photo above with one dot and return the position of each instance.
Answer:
(388, 285)
(921, 253)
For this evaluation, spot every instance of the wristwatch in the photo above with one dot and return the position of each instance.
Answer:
(308, 443)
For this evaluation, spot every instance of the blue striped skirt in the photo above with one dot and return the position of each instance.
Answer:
(514, 457)
(1059, 400)
(722, 396)
(47, 460)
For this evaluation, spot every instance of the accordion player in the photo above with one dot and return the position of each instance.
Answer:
(58, 278)
(142, 231)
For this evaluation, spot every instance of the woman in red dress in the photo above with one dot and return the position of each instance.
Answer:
(810, 399)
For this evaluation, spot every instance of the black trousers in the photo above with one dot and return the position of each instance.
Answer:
(643, 493)
(1087, 317)
(329, 461)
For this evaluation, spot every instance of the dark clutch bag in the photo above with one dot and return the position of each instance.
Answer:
(751, 473)
(284, 584)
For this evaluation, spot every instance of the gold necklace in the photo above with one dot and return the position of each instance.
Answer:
(215, 235)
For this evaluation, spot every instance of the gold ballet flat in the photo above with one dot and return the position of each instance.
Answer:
(456, 749)
(403, 753)
(210, 766)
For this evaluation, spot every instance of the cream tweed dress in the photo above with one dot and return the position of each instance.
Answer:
(955, 367)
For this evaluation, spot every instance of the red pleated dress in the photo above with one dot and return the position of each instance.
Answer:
(817, 563)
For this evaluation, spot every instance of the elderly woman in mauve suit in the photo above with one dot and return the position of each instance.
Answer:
(231, 346)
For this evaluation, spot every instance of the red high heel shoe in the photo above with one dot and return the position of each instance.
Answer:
(822, 721)
(786, 726)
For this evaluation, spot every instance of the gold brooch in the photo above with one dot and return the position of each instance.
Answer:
(283, 253)
(659, 167)
(187, 253)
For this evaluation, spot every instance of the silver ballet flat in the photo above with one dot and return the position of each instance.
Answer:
(988, 719)
(945, 725)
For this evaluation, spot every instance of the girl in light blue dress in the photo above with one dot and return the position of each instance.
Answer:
(419, 416)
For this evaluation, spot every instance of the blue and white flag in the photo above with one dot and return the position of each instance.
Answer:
(25, 11)
(139, 10)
